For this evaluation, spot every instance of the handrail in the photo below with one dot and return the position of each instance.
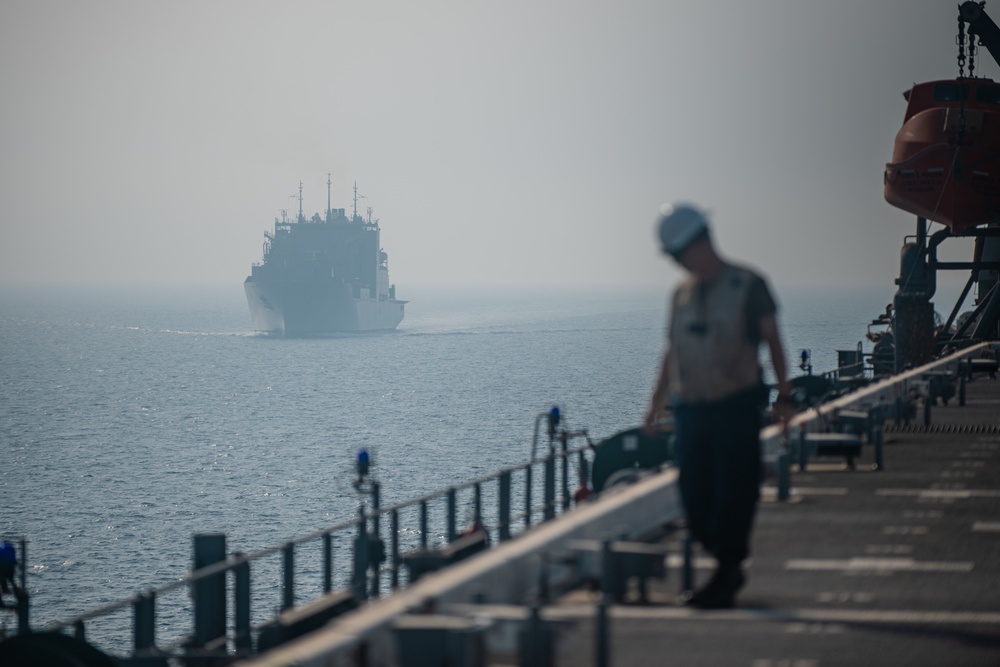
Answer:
(143, 602)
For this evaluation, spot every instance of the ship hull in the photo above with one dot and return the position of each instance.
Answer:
(316, 307)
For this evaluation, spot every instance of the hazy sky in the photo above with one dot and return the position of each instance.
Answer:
(498, 142)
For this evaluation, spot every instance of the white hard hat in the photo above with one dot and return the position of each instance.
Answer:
(679, 226)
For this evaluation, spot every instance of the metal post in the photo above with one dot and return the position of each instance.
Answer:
(602, 632)
(376, 535)
(477, 505)
(288, 561)
(360, 583)
(452, 508)
(565, 472)
(241, 605)
(209, 594)
(602, 606)
(876, 417)
(144, 623)
(23, 599)
(423, 525)
(803, 451)
(784, 476)
(928, 400)
(504, 528)
(327, 562)
(879, 461)
(527, 497)
(961, 389)
(549, 511)
(536, 649)
(394, 526)
(687, 573)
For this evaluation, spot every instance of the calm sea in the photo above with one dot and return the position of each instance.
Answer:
(131, 419)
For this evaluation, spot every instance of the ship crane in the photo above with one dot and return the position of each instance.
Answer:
(945, 168)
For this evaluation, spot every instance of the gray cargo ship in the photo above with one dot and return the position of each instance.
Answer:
(323, 275)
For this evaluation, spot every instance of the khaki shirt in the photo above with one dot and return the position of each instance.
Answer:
(712, 352)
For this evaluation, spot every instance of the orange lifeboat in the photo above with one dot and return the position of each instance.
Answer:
(946, 160)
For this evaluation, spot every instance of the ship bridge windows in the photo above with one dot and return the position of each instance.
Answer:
(950, 92)
(988, 94)
(955, 92)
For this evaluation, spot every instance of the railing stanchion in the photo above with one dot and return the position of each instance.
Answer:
(288, 562)
(549, 511)
(209, 594)
(376, 566)
(504, 528)
(423, 524)
(527, 496)
(394, 540)
(477, 505)
(360, 582)
(452, 508)
(327, 562)
(241, 604)
(144, 623)
(23, 604)
(564, 464)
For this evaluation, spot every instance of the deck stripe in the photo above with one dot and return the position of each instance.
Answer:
(958, 494)
(880, 565)
(986, 527)
(895, 616)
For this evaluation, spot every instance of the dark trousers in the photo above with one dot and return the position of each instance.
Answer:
(718, 451)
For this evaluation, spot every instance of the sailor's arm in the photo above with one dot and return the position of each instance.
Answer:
(660, 392)
(769, 334)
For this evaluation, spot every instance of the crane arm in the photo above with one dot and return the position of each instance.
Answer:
(981, 25)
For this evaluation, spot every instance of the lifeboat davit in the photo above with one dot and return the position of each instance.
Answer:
(946, 161)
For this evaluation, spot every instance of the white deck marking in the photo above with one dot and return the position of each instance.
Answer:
(957, 494)
(700, 562)
(986, 527)
(883, 549)
(807, 491)
(905, 530)
(877, 565)
(817, 615)
(842, 597)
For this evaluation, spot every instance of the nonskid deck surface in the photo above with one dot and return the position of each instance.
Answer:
(895, 567)
(899, 566)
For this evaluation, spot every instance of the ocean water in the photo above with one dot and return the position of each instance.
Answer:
(133, 418)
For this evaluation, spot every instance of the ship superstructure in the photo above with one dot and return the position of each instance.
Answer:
(323, 275)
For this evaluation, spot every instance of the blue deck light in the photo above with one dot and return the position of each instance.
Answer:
(363, 463)
(554, 417)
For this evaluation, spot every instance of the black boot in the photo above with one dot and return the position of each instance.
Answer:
(720, 592)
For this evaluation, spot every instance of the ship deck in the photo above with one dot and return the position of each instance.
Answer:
(895, 566)
(899, 566)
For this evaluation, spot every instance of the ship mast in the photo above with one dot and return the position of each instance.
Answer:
(328, 184)
(355, 216)
(300, 202)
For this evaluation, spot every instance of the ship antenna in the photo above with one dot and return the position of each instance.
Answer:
(300, 201)
(355, 201)
(328, 184)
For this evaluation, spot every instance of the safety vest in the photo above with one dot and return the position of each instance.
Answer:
(712, 357)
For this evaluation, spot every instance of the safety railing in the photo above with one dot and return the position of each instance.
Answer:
(223, 613)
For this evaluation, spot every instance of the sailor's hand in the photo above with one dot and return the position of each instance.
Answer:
(649, 423)
(783, 411)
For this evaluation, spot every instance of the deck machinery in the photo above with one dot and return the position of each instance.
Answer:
(946, 169)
